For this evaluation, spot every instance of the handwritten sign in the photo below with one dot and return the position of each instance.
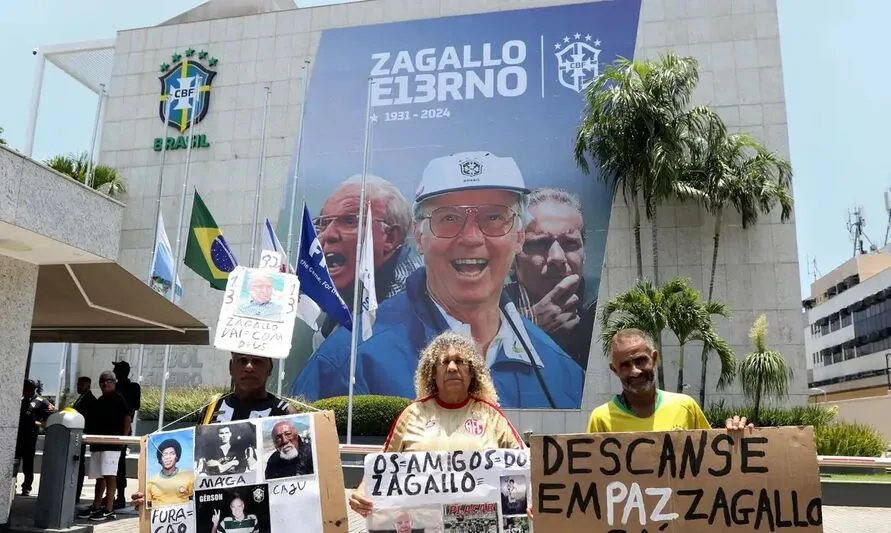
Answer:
(484, 490)
(265, 474)
(273, 261)
(679, 481)
(258, 313)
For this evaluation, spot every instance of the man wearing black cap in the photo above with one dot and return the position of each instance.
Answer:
(132, 393)
(248, 399)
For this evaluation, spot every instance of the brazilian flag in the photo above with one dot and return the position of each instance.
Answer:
(207, 252)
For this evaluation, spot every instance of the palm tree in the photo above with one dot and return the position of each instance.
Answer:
(690, 319)
(77, 166)
(637, 127)
(643, 306)
(763, 373)
(734, 170)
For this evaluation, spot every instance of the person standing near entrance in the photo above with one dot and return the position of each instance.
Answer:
(34, 411)
(110, 416)
(132, 394)
(248, 399)
(83, 404)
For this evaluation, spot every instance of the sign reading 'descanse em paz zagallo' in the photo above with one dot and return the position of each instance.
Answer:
(677, 482)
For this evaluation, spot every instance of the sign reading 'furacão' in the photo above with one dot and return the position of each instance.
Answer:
(679, 481)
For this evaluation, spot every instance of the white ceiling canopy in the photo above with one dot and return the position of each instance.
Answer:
(89, 62)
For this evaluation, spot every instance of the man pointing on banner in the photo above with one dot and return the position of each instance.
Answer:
(641, 406)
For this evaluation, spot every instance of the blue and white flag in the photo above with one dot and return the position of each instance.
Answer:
(162, 266)
(315, 281)
(270, 242)
(366, 274)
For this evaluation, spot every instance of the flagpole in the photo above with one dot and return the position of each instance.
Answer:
(256, 221)
(168, 103)
(297, 163)
(281, 370)
(178, 251)
(354, 342)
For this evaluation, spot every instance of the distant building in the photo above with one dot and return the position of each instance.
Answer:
(848, 331)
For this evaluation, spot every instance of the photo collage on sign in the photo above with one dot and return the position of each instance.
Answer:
(250, 476)
(505, 516)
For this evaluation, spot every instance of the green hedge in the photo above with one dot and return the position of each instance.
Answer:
(849, 440)
(808, 415)
(372, 415)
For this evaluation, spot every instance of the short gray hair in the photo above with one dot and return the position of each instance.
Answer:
(559, 196)
(521, 206)
(634, 333)
(397, 208)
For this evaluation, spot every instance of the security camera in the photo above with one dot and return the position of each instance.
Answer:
(34, 52)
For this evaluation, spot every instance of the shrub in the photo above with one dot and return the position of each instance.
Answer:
(808, 415)
(372, 415)
(849, 440)
(182, 404)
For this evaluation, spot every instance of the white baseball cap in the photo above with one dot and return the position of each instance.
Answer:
(467, 171)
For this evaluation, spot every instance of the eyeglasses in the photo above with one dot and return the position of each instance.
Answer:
(492, 220)
(346, 223)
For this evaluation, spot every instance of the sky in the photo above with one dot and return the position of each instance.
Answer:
(831, 60)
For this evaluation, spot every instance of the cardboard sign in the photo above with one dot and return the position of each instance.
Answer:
(258, 313)
(273, 261)
(442, 492)
(265, 474)
(677, 482)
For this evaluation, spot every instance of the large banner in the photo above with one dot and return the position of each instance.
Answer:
(262, 475)
(677, 482)
(482, 491)
(472, 101)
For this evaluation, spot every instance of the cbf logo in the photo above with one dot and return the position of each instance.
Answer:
(578, 61)
(185, 95)
(185, 89)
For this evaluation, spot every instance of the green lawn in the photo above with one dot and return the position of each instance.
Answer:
(877, 478)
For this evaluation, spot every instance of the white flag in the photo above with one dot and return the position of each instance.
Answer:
(366, 274)
(162, 268)
(308, 311)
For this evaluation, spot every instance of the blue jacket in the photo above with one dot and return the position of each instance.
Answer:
(404, 325)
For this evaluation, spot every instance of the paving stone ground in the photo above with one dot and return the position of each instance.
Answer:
(835, 519)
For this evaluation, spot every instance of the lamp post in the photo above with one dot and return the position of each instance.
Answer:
(817, 389)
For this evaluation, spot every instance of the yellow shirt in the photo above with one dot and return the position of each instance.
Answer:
(170, 490)
(673, 411)
(431, 425)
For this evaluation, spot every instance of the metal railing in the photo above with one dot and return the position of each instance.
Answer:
(363, 449)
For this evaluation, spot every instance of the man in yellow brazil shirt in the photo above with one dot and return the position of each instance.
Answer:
(641, 406)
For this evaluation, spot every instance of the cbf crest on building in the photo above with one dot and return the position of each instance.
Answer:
(185, 97)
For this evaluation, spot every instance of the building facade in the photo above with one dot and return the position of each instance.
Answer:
(848, 336)
(736, 43)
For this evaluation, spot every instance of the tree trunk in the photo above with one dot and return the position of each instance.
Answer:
(661, 363)
(681, 368)
(756, 413)
(711, 290)
(637, 246)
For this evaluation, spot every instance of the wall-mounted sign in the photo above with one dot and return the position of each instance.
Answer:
(185, 97)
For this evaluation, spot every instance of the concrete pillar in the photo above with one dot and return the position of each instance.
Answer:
(18, 285)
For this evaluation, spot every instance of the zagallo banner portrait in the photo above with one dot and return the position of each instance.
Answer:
(677, 482)
(448, 492)
(472, 105)
(262, 475)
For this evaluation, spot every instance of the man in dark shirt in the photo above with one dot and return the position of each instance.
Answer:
(248, 399)
(82, 405)
(132, 393)
(34, 411)
(110, 415)
(292, 456)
